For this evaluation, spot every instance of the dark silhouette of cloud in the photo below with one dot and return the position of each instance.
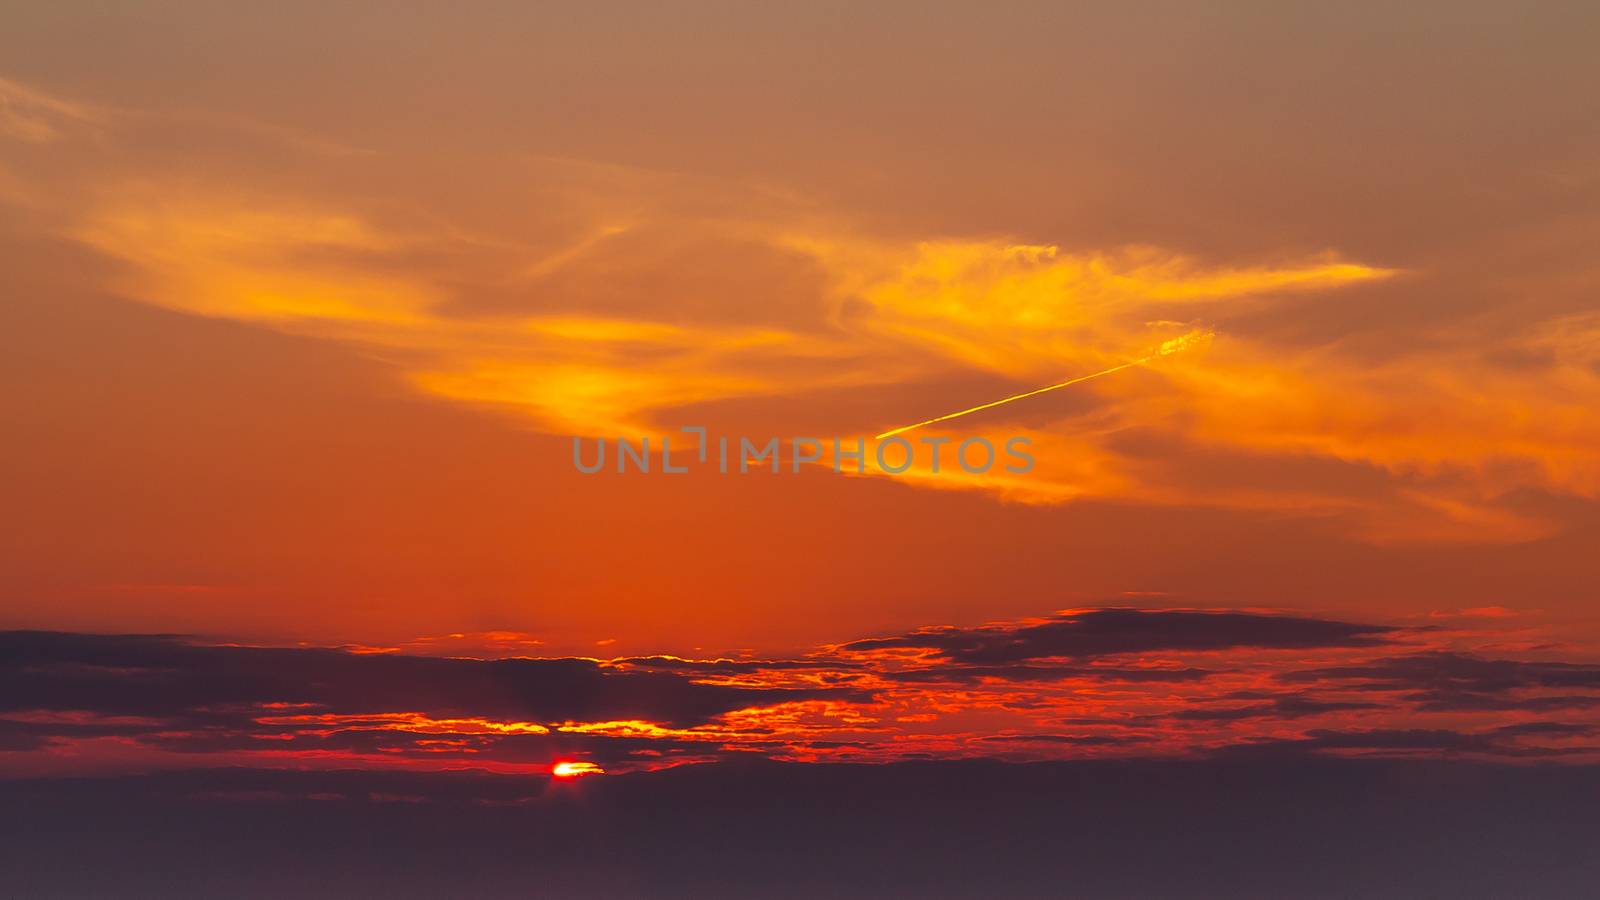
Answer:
(1457, 682)
(1076, 740)
(1292, 707)
(157, 675)
(1105, 632)
(1022, 673)
(1437, 741)
(1457, 672)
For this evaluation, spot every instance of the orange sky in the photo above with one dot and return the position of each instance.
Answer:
(302, 311)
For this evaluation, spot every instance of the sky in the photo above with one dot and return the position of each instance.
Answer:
(305, 308)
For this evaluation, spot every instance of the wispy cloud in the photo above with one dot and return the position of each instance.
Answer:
(37, 117)
(633, 299)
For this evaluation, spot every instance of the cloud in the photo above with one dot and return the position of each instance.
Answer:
(1289, 707)
(1443, 681)
(725, 666)
(135, 675)
(1024, 673)
(1448, 672)
(1410, 741)
(616, 300)
(1037, 312)
(1185, 682)
(1075, 740)
(1102, 632)
(34, 116)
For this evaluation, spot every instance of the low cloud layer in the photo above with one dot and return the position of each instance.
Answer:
(1103, 632)
(1086, 682)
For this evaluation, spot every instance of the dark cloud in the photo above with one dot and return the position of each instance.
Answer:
(1405, 741)
(19, 736)
(1456, 671)
(1023, 673)
(1291, 707)
(1554, 729)
(1458, 701)
(1076, 740)
(1456, 682)
(424, 746)
(1104, 632)
(144, 675)
(33, 735)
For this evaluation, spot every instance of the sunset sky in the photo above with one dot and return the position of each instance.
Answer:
(303, 308)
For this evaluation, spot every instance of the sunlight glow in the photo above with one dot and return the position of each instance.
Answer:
(575, 769)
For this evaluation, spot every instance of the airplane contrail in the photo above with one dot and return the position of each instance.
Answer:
(1166, 349)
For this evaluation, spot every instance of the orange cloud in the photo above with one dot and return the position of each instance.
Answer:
(1451, 430)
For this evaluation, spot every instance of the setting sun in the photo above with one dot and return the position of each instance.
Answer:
(575, 769)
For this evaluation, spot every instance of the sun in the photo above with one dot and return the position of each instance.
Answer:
(575, 769)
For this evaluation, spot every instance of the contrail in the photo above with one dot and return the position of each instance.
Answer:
(1166, 349)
